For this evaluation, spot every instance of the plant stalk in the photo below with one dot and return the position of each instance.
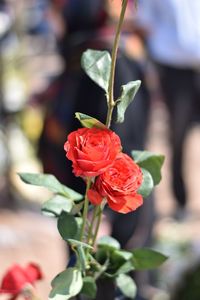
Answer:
(111, 102)
(85, 210)
(97, 225)
(90, 232)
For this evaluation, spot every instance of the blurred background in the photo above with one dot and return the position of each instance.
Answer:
(41, 42)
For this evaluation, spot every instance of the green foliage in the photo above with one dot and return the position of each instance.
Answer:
(119, 257)
(78, 244)
(147, 259)
(89, 122)
(151, 162)
(66, 284)
(57, 204)
(81, 256)
(126, 285)
(108, 243)
(147, 184)
(50, 182)
(117, 261)
(67, 226)
(89, 288)
(97, 65)
(128, 93)
(125, 268)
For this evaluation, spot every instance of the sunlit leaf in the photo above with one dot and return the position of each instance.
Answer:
(151, 162)
(147, 184)
(57, 204)
(50, 182)
(108, 243)
(128, 93)
(66, 284)
(97, 65)
(126, 285)
(89, 122)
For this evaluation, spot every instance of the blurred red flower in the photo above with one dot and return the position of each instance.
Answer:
(119, 185)
(17, 278)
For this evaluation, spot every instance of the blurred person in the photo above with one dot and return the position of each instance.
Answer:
(81, 25)
(171, 29)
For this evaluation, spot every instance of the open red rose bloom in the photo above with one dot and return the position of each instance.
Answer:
(17, 278)
(119, 185)
(97, 153)
(92, 150)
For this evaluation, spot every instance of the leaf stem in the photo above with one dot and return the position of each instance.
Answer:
(111, 102)
(85, 210)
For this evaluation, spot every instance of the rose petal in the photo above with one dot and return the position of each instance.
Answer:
(129, 203)
(94, 197)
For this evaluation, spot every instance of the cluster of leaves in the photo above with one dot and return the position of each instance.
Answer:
(108, 261)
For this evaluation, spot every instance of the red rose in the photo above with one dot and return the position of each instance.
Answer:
(16, 278)
(119, 185)
(92, 150)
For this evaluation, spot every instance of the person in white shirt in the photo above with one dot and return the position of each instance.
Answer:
(172, 33)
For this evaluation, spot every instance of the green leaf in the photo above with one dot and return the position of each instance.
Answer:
(50, 182)
(147, 184)
(126, 285)
(123, 269)
(119, 257)
(128, 93)
(108, 243)
(145, 258)
(67, 226)
(97, 65)
(66, 284)
(78, 244)
(151, 162)
(89, 288)
(79, 221)
(89, 122)
(57, 204)
(117, 261)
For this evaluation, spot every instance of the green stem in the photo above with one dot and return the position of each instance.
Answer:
(92, 224)
(99, 214)
(111, 105)
(111, 102)
(85, 210)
